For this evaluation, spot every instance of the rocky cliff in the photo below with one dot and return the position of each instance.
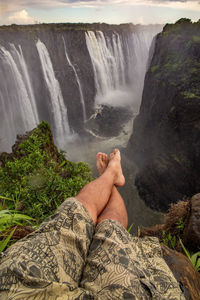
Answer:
(165, 143)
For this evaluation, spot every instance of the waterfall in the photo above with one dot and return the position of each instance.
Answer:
(18, 111)
(108, 62)
(18, 56)
(78, 81)
(56, 102)
(119, 65)
(112, 65)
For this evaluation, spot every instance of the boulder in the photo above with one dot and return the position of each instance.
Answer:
(184, 272)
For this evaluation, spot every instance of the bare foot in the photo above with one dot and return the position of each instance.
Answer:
(102, 162)
(115, 165)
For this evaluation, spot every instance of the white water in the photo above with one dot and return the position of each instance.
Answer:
(119, 66)
(16, 96)
(108, 63)
(137, 48)
(18, 56)
(56, 102)
(78, 81)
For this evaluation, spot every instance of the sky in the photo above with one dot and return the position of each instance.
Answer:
(89, 11)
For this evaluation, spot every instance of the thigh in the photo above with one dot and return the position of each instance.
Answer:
(119, 266)
(55, 253)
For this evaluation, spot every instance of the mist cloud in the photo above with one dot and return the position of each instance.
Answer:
(21, 17)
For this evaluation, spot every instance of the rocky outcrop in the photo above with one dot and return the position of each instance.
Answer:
(186, 275)
(165, 143)
(108, 121)
(192, 231)
(182, 224)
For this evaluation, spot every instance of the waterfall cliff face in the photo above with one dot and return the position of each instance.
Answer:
(61, 75)
(165, 143)
(56, 102)
(119, 62)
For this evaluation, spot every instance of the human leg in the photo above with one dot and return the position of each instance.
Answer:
(95, 195)
(115, 208)
(119, 266)
(50, 261)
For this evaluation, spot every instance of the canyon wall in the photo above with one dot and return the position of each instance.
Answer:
(165, 143)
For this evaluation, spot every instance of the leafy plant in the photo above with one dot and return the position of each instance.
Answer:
(34, 180)
(194, 258)
(39, 175)
(180, 224)
(8, 219)
(6, 239)
(169, 240)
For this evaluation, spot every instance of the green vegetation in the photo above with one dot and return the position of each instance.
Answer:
(190, 95)
(36, 178)
(154, 68)
(64, 26)
(129, 229)
(8, 220)
(194, 258)
(174, 241)
(178, 64)
(196, 38)
(169, 240)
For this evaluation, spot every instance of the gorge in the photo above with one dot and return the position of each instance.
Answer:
(102, 86)
(85, 80)
(61, 73)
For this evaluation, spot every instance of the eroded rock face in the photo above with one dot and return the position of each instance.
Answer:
(184, 272)
(166, 138)
(192, 231)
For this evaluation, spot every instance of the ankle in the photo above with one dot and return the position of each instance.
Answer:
(111, 173)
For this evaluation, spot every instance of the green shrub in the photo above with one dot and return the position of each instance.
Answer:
(40, 175)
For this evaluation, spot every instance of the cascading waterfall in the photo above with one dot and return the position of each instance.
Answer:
(33, 87)
(18, 56)
(137, 49)
(109, 69)
(119, 66)
(78, 81)
(56, 103)
(18, 113)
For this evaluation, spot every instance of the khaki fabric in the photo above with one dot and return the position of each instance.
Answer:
(68, 258)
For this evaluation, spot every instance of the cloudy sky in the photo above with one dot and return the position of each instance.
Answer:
(109, 11)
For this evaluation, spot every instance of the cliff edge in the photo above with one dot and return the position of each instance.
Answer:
(165, 143)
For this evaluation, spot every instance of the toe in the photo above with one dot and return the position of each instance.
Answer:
(111, 155)
(104, 157)
(115, 151)
(98, 156)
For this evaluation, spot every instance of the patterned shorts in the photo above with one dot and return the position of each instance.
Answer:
(68, 258)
